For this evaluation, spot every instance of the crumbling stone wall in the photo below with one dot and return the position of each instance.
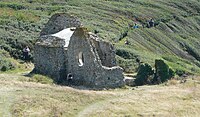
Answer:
(88, 60)
(105, 51)
(49, 52)
(50, 61)
(91, 72)
(59, 22)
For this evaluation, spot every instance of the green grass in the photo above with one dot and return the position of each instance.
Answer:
(177, 33)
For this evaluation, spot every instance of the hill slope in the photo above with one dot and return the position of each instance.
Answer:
(175, 38)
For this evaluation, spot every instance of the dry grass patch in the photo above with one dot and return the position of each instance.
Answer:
(151, 101)
(54, 101)
(35, 99)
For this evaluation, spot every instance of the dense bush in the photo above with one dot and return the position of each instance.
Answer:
(128, 66)
(180, 72)
(123, 35)
(15, 47)
(14, 6)
(144, 75)
(163, 72)
(7, 64)
(126, 54)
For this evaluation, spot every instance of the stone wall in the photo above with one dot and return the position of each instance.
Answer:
(105, 51)
(49, 53)
(108, 54)
(50, 61)
(59, 22)
(91, 73)
(88, 60)
(50, 41)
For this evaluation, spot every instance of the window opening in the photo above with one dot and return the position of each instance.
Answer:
(80, 59)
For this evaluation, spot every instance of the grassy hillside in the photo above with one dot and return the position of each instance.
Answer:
(22, 98)
(175, 39)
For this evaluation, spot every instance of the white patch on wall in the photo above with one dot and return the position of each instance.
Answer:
(65, 34)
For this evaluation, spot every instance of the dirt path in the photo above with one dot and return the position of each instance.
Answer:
(91, 108)
(101, 104)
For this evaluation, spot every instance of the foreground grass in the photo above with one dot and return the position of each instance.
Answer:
(32, 99)
(18, 97)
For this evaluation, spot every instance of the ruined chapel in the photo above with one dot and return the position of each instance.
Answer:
(70, 54)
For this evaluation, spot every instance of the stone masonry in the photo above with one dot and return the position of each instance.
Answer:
(70, 54)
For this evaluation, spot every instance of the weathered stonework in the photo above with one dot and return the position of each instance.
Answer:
(79, 59)
(59, 22)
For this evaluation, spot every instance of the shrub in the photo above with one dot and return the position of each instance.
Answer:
(7, 64)
(4, 22)
(144, 75)
(123, 35)
(163, 72)
(126, 54)
(13, 5)
(129, 65)
(15, 47)
(4, 68)
(180, 72)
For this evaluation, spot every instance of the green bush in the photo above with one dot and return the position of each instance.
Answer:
(4, 22)
(52, 9)
(129, 65)
(7, 64)
(144, 75)
(126, 54)
(15, 47)
(123, 35)
(163, 72)
(180, 72)
(13, 5)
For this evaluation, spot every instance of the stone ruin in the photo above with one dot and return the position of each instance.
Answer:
(70, 54)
